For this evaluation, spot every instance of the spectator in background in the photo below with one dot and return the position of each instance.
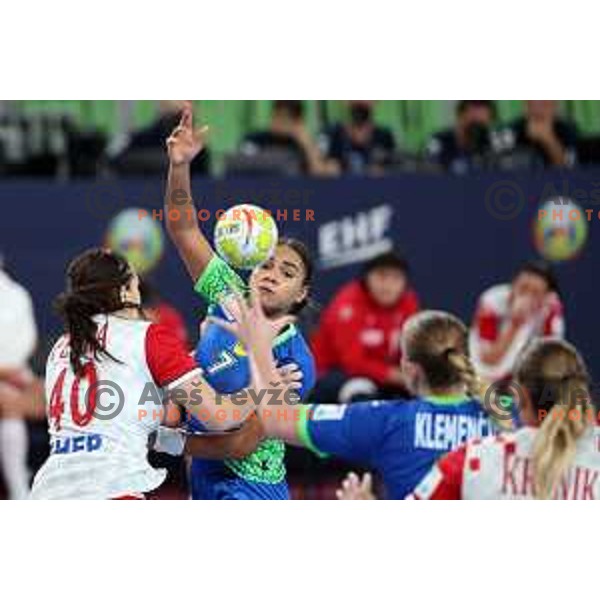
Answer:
(509, 316)
(547, 139)
(143, 150)
(288, 134)
(467, 146)
(18, 338)
(359, 146)
(357, 342)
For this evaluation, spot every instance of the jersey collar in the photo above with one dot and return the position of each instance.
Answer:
(285, 335)
(447, 400)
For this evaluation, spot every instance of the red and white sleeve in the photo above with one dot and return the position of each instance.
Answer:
(168, 360)
(486, 324)
(444, 481)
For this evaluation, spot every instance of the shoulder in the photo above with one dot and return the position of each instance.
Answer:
(408, 302)
(295, 349)
(343, 304)
(392, 410)
(483, 454)
(297, 341)
(166, 356)
(351, 292)
(495, 298)
(373, 413)
(160, 340)
(58, 349)
(123, 335)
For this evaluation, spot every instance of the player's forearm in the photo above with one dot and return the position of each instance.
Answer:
(231, 445)
(282, 422)
(182, 221)
(494, 352)
(217, 412)
(179, 198)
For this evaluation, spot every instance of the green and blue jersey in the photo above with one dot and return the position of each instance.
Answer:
(262, 474)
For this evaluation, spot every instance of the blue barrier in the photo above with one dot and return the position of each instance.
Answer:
(461, 235)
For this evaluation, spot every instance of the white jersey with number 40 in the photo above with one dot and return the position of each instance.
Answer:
(99, 421)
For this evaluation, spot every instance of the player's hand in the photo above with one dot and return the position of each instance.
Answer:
(522, 309)
(251, 326)
(291, 376)
(353, 488)
(185, 142)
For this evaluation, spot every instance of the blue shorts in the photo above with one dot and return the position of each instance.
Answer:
(212, 480)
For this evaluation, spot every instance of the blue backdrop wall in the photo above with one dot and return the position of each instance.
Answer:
(460, 235)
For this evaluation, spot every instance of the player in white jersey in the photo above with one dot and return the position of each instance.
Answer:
(18, 338)
(104, 382)
(556, 456)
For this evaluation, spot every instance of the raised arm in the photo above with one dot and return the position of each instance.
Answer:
(184, 144)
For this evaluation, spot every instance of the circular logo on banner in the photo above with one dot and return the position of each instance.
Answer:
(560, 229)
(138, 238)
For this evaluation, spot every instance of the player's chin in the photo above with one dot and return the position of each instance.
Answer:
(270, 305)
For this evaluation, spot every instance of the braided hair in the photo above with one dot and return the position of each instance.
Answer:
(95, 279)
(438, 342)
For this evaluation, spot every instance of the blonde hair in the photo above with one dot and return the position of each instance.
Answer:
(464, 367)
(556, 379)
(438, 342)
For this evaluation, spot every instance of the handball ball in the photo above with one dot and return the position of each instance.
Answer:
(245, 236)
(140, 241)
(560, 230)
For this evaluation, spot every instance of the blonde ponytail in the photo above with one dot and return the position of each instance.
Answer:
(463, 365)
(556, 380)
(556, 441)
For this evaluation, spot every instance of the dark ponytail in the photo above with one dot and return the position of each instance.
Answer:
(94, 282)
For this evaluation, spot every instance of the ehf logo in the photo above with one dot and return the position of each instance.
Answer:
(355, 238)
